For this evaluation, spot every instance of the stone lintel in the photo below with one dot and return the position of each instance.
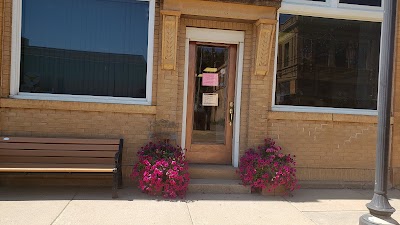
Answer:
(221, 9)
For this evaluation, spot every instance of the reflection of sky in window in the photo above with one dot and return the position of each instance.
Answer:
(283, 18)
(119, 27)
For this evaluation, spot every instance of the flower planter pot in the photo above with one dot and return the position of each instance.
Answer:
(279, 191)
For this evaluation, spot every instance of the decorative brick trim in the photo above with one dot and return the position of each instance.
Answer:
(264, 41)
(169, 39)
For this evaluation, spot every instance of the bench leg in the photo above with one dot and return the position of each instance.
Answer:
(119, 178)
(115, 184)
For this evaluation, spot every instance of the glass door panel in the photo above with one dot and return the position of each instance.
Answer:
(210, 94)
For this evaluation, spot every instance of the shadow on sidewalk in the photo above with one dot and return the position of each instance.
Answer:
(37, 193)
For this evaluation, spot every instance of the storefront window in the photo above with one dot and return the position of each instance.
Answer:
(85, 47)
(327, 62)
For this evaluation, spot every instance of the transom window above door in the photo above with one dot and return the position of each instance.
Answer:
(85, 50)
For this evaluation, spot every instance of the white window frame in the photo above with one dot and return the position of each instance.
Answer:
(365, 7)
(329, 10)
(16, 61)
(336, 4)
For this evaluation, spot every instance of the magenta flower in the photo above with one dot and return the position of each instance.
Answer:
(161, 170)
(268, 167)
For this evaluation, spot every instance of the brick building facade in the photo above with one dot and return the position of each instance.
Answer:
(332, 146)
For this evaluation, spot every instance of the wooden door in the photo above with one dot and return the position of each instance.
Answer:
(210, 103)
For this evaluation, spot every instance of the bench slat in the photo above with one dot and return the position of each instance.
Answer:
(52, 160)
(55, 170)
(69, 147)
(62, 155)
(54, 165)
(58, 140)
(49, 152)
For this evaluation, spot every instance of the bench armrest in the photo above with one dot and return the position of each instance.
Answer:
(117, 158)
(118, 155)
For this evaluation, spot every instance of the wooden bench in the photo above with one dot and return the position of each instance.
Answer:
(62, 155)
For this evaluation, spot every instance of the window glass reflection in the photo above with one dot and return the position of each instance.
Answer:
(84, 47)
(327, 62)
(209, 121)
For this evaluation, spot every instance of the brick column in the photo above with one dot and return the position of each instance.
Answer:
(395, 156)
(167, 87)
(261, 80)
(5, 46)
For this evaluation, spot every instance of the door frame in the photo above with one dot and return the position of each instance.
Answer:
(221, 37)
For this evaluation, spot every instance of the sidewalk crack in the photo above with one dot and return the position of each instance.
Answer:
(301, 212)
(190, 215)
(73, 197)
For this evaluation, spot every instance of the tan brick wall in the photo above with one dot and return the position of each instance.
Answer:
(395, 156)
(48, 119)
(133, 128)
(5, 28)
(322, 145)
(258, 101)
(167, 94)
(328, 147)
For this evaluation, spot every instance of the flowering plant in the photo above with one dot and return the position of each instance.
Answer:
(162, 170)
(267, 167)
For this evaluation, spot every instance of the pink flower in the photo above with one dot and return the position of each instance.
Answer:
(268, 166)
(161, 170)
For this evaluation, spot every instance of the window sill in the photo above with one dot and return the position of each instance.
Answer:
(334, 116)
(309, 109)
(75, 106)
(81, 98)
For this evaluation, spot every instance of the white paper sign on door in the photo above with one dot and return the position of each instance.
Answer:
(210, 99)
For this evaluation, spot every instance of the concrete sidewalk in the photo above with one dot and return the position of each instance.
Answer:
(56, 205)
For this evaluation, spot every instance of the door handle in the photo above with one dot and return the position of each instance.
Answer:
(231, 113)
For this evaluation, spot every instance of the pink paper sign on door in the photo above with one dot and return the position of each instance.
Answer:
(210, 79)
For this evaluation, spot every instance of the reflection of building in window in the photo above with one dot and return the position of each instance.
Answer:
(62, 71)
(286, 55)
(327, 62)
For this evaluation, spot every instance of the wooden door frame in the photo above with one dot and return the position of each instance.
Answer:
(221, 37)
(202, 152)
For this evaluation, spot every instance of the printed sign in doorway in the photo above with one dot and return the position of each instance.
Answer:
(210, 99)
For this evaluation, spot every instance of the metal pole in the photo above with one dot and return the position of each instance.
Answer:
(379, 207)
